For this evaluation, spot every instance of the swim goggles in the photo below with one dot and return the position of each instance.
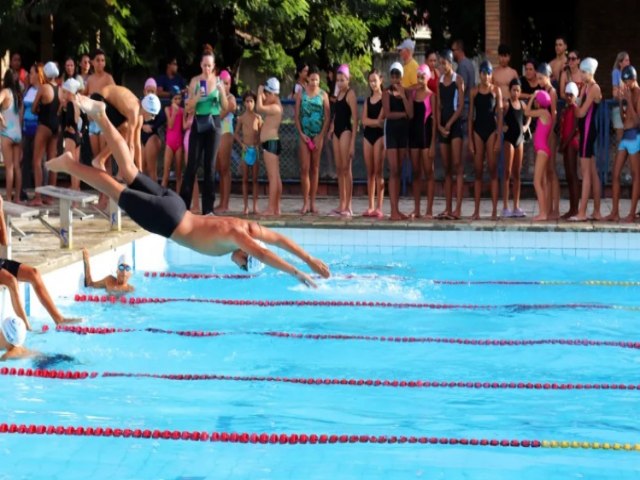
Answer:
(124, 268)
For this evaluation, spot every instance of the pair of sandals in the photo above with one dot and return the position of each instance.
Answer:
(516, 213)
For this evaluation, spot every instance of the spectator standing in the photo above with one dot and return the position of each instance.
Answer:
(171, 78)
(11, 109)
(622, 60)
(503, 73)
(559, 62)
(19, 73)
(29, 126)
(529, 81)
(268, 104)
(409, 64)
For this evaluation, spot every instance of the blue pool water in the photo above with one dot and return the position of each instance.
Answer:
(404, 276)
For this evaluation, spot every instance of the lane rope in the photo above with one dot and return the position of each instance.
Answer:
(348, 303)
(301, 438)
(484, 342)
(592, 283)
(352, 382)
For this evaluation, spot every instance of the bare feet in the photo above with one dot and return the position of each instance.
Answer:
(612, 217)
(629, 218)
(428, 216)
(92, 108)
(304, 210)
(475, 216)
(95, 163)
(415, 215)
(596, 216)
(569, 214)
(59, 164)
(396, 216)
(245, 211)
(540, 218)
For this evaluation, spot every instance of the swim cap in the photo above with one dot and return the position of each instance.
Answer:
(571, 89)
(253, 264)
(543, 98)
(544, 69)
(151, 104)
(589, 65)
(71, 85)
(486, 67)
(51, 70)
(426, 71)
(175, 90)
(447, 55)
(225, 75)
(344, 70)
(629, 73)
(514, 82)
(272, 85)
(124, 259)
(151, 82)
(14, 331)
(397, 66)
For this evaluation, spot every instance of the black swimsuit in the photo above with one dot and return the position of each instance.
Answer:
(342, 119)
(420, 130)
(484, 107)
(448, 106)
(48, 113)
(114, 116)
(69, 122)
(10, 266)
(156, 209)
(514, 120)
(373, 134)
(396, 130)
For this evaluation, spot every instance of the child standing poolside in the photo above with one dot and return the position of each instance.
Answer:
(539, 107)
(247, 134)
(373, 145)
(268, 103)
(173, 149)
(569, 146)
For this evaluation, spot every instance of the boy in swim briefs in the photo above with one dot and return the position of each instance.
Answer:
(247, 134)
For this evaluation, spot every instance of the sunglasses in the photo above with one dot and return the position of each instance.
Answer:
(124, 268)
(572, 58)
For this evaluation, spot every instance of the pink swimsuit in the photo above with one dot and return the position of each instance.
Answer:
(541, 137)
(174, 134)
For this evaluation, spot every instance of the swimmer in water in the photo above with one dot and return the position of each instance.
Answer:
(112, 284)
(13, 333)
(163, 212)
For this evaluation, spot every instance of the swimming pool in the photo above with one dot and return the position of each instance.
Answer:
(412, 362)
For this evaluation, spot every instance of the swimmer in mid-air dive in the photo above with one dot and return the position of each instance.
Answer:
(113, 284)
(163, 212)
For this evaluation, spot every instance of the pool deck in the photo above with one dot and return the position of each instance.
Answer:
(41, 247)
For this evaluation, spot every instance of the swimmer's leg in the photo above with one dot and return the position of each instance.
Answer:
(98, 179)
(115, 142)
(11, 283)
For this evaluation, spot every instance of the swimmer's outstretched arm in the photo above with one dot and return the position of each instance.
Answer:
(16, 353)
(274, 238)
(88, 281)
(266, 256)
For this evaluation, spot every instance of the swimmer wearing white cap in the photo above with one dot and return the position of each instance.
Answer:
(12, 272)
(127, 114)
(118, 283)
(13, 333)
(161, 211)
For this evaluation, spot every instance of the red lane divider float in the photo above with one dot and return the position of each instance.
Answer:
(609, 283)
(346, 303)
(352, 382)
(249, 437)
(578, 342)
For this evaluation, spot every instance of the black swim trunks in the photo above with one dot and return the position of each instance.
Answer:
(272, 146)
(10, 266)
(114, 116)
(156, 209)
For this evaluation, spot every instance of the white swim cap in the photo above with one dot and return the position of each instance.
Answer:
(272, 85)
(572, 89)
(151, 104)
(14, 331)
(71, 85)
(396, 66)
(253, 264)
(51, 70)
(589, 65)
(124, 259)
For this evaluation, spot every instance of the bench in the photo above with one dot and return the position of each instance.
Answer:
(14, 211)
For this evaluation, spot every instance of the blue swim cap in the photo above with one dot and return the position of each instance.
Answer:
(486, 67)
(629, 73)
(175, 90)
(544, 69)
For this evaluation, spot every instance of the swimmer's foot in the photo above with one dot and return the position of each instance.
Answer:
(95, 163)
(92, 108)
(59, 164)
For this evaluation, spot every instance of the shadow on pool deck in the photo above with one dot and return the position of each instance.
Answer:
(41, 248)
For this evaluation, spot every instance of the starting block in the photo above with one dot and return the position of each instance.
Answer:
(67, 197)
(13, 211)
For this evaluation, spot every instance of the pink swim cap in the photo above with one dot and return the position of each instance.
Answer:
(150, 83)
(425, 70)
(225, 75)
(344, 70)
(543, 99)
